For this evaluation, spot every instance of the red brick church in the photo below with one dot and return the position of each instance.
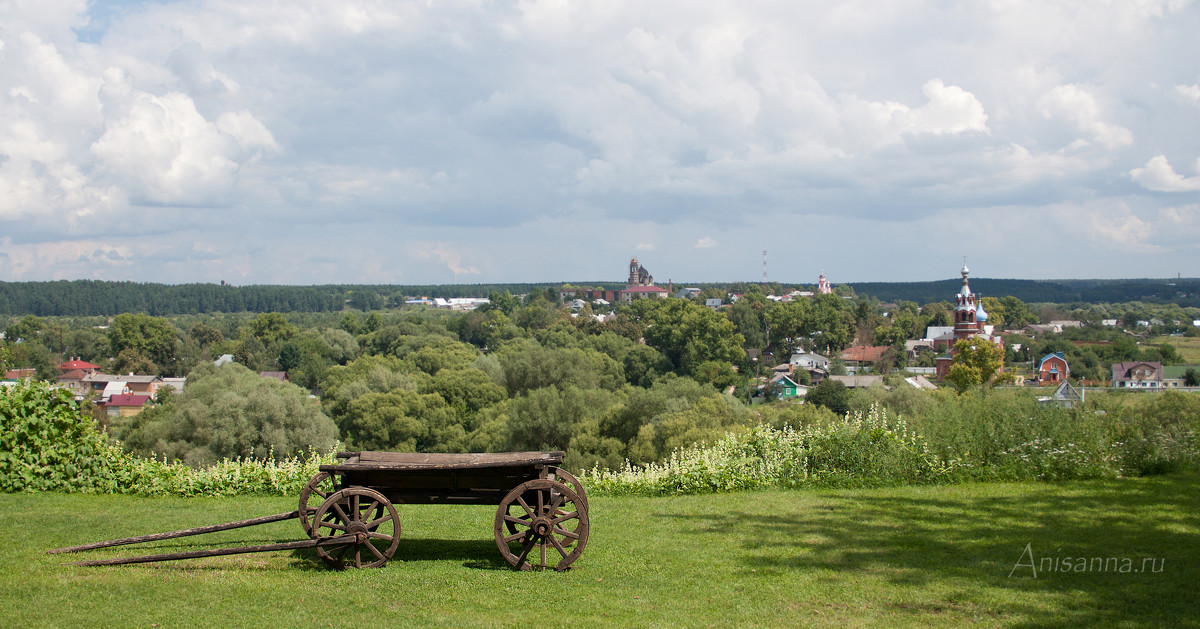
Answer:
(970, 321)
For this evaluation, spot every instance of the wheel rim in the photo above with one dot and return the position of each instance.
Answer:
(318, 489)
(357, 510)
(541, 523)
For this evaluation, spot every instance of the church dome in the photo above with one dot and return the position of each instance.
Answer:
(980, 313)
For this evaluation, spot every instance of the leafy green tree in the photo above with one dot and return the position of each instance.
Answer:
(643, 365)
(530, 366)
(35, 355)
(29, 328)
(505, 302)
(832, 325)
(150, 337)
(830, 394)
(547, 418)
(271, 328)
(228, 412)
(976, 362)
(1191, 377)
(206, 335)
(404, 421)
(689, 335)
(466, 390)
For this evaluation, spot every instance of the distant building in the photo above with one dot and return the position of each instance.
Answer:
(1053, 369)
(1137, 375)
(970, 321)
(823, 286)
(640, 284)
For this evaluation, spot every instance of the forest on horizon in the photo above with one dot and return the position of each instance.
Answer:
(107, 298)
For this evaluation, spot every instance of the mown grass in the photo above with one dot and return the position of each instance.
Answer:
(907, 556)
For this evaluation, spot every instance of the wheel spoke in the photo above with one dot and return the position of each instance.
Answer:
(525, 552)
(375, 551)
(566, 533)
(528, 510)
(357, 557)
(541, 502)
(333, 525)
(516, 520)
(374, 524)
(354, 508)
(337, 507)
(342, 552)
(514, 537)
(562, 551)
(367, 513)
(566, 516)
(543, 547)
(382, 536)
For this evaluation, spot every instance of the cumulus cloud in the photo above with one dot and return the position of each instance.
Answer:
(1078, 106)
(424, 124)
(1158, 175)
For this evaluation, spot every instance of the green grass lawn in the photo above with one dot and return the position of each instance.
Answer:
(1187, 347)
(928, 556)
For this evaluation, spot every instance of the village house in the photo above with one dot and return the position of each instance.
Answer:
(862, 357)
(1137, 375)
(1053, 369)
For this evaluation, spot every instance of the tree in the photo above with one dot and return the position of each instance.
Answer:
(1191, 377)
(228, 412)
(689, 334)
(830, 394)
(976, 362)
(150, 337)
(1017, 313)
(272, 327)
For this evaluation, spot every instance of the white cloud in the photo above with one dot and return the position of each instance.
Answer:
(1190, 92)
(1158, 175)
(1079, 106)
(644, 246)
(705, 243)
(432, 123)
(449, 255)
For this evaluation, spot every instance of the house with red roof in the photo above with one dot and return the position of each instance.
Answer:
(76, 364)
(125, 405)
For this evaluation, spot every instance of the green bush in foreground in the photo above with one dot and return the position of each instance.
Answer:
(45, 444)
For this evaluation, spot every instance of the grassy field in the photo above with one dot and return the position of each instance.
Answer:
(1188, 347)
(929, 556)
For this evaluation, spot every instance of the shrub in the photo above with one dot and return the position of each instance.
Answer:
(46, 443)
(859, 450)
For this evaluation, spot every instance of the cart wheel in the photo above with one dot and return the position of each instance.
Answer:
(319, 488)
(356, 510)
(549, 518)
(566, 478)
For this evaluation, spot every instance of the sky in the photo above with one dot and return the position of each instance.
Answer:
(396, 142)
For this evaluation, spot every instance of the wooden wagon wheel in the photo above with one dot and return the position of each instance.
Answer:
(319, 488)
(566, 478)
(357, 510)
(550, 522)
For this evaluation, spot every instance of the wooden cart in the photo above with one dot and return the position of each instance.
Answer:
(348, 511)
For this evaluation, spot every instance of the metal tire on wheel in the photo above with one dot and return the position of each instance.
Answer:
(357, 510)
(319, 488)
(550, 525)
